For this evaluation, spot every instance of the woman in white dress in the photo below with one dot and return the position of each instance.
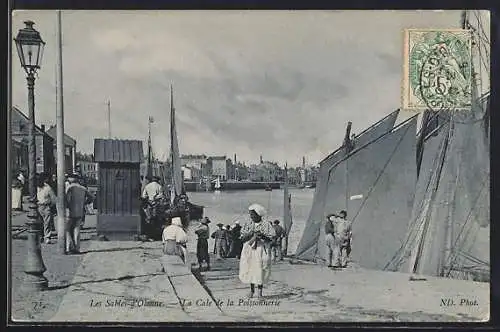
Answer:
(255, 260)
(175, 239)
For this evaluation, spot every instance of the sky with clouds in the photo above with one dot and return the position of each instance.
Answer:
(278, 83)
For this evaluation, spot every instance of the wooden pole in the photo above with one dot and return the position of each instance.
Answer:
(109, 119)
(61, 210)
(347, 146)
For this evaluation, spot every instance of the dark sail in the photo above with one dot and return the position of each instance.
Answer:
(307, 245)
(449, 229)
(377, 194)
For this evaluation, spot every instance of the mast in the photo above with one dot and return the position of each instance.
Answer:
(61, 234)
(149, 168)
(109, 119)
(347, 144)
(177, 183)
(287, 216)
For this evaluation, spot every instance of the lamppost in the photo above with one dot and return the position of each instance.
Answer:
(30, 49)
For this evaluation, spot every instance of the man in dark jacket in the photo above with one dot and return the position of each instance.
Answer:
(236, 243)
(276, 245)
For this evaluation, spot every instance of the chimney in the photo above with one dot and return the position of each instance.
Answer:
(235, 158)
(261, 159)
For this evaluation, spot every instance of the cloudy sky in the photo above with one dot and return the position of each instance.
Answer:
(278, 83)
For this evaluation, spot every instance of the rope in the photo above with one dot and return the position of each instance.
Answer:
(454, 260)
(424, 203)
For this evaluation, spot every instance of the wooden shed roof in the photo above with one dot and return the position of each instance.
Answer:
(118, 151)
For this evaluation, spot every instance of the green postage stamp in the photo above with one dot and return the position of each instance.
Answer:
(437, 69)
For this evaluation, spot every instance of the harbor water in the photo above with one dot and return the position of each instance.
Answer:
(228, 206)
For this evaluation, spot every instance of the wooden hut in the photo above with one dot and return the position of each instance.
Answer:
(119, 187)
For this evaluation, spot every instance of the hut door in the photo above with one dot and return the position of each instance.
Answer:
(121, 190)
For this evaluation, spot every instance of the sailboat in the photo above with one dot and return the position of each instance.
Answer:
(179, 201)
(217, 185)
(428, 217)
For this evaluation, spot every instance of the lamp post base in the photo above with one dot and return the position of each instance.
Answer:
(34, 282)
(34, 266)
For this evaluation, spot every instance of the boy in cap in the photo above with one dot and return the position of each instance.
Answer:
(220, 237)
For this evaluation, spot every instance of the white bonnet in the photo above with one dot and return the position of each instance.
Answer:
(177, 221)
(259, 209)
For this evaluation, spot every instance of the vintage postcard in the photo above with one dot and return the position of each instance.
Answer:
(249, 166)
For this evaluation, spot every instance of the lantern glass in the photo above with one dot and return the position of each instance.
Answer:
(30, 47)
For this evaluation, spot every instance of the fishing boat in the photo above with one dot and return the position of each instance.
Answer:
(179, 204)
(395, 200)
(452, 240)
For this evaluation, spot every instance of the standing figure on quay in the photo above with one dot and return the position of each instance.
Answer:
(342, 233)
(153, 199)
(203, 232)
(46, 200)
(174, 239)
(220, 237)
(236, 244)
(255, 260)
(76, 197)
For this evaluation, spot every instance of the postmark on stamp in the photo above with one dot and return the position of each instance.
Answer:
(437, 69)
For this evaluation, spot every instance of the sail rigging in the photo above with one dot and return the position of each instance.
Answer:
(448, 233)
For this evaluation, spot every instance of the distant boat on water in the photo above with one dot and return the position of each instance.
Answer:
(217, 184)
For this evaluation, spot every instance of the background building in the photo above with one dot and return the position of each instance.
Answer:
(69, 149)
(44, 143)
(220, 167)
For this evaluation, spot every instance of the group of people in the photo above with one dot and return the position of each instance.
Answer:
(253, 245)
(338, 232)
(77, 198)
(158, 210)
(227, 240)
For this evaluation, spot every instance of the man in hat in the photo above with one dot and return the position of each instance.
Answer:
(202, 245)
(236, 244)
(276, 244)
(152, 196)
(46, 200)
(76, 196)
(343, 234)
(220, 237)
(229, 240)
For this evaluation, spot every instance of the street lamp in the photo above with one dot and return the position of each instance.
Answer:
(30, 49)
